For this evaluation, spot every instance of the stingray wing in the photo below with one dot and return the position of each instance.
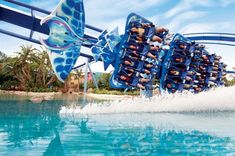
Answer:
(72, 12)
(66, 24)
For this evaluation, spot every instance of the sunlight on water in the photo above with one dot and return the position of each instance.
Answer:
(75, 126)
(177, 124)
(219, 99)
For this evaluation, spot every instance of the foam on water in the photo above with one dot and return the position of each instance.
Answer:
(219, 99)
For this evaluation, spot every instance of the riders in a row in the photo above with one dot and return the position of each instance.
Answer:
(204, 69)
(137, 52)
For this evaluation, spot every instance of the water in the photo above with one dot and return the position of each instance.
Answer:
(168, 125)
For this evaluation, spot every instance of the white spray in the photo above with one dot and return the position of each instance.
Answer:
(219, 99)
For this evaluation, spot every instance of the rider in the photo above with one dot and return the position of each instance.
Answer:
(130, 69)
(142, 33)
(191, 73)
(182, 48)
(187, 86)
(202, 68)
(179, 59)
(128, 81)
(161, 30)
(218, 57)
(198, 52)
(205, 59)
(127, 73)
(171, 86)
(130, 63)
(140, 49)
(174, 72)
(214, 72)
(216, 61)
(197, 89)
(215, 68)
(188, 78)
(148, 65)
(133, 52)
(154, 48)
(136, 46)
(213, 78)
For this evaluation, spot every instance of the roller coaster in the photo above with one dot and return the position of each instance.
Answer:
(144, 54)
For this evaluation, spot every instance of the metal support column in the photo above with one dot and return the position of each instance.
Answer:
(93, 77)
(86, 76)
(148, 93)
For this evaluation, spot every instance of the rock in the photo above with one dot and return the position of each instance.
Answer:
(36, 99)
(48, 98)
(90, 90)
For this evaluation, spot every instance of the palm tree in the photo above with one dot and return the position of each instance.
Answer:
(21, 66)
(3, 57)
(43, 68)
(45, 76)
(78, 75)
(31, 68)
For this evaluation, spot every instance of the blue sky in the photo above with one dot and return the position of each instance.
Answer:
(183, 16)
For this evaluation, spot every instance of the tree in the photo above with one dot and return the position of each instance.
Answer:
(21, 66)
(43, 77)
(3, 57)
(31, 68)
(103, 82)
(78, 74)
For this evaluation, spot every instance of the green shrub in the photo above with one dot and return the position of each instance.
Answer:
(9, 85)
(115, 92)
(230, 83)
(35, 89)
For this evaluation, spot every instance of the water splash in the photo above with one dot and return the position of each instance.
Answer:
(216, 100)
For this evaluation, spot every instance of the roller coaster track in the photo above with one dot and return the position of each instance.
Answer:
(227, 39)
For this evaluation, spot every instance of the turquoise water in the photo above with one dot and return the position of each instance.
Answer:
(43, 129)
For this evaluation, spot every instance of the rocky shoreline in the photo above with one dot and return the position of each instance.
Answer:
(38, 97)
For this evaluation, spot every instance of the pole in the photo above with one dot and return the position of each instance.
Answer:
(148, 93)
(93, 77)
(86, 75)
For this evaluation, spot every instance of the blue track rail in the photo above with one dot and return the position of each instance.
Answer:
(46, 12)
(227, 39)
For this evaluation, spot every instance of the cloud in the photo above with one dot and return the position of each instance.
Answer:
(225, 3)
(209, 27)
(103, 13)
(183, 18)
(186, 5)
(45, 4)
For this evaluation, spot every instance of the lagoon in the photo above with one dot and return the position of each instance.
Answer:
(51, 129)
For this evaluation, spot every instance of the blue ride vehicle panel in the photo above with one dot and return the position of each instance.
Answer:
(188, 66)
(106, 47)
(137, 55)
(176, 64)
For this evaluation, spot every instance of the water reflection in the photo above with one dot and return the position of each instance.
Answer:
(39, 129)
(103, 134)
